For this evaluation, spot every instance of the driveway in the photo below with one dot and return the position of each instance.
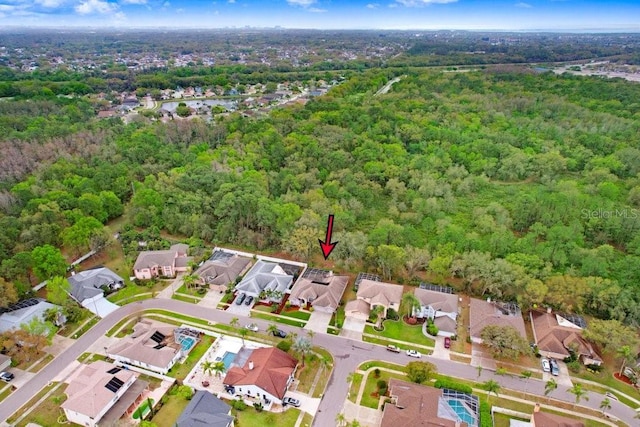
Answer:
(368, 417)
(564, 379)
(353, 328)
(439, 352)
(307, 403)
(239, 310)
(318, 322)
(480, 357)
(167, 292)
(211, 299)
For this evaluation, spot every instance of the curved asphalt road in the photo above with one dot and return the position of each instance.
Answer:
(348, 354)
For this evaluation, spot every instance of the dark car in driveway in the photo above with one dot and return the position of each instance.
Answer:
(240, 298)
(249, 300)
(447, 342)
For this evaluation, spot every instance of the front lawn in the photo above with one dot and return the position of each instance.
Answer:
(279, 319)
(170, 410)
(181, 370)
(355, 387)
(371, 387)
(251, 418)
(48, 412)
(296, 314)
(398, 330)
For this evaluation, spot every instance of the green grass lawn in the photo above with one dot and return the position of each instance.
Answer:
(296, 314)
(355, 387)
(252, 418)
(184, 298)
(307, 419)
(47, 413)
(398, 330)
(607, 379)
(129, 291)
(69, 327)
(6, 392)
(88, 325)
(278, 319)
(170, 411)
(370, 387)
(181, 370)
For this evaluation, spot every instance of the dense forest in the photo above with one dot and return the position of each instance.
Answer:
(523, 186)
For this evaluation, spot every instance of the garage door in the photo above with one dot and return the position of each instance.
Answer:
(101, 307)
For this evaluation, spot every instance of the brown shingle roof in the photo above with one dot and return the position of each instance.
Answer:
(321, 295)
(437, 300)
(483, 313)
(272, 368)
(416, 406)
(543, 419)
(555, 338)
(87, 393)
(222, 272)
(379, 292)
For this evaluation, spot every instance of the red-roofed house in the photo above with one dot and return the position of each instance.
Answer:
(267, 374)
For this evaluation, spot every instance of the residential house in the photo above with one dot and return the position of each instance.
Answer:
(440, 307)
(266, 375)
(371, 294)
(205, 410)
(25, 311)
(545, 419)
(87, 288)
(221, 270)
(320, 288)
(101, 393)
(267, 277)
(420, 406)
(484, 313)
(152, 345)
(556, 334)
(166, 263)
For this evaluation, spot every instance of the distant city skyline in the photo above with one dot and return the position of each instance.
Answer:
(515, 15)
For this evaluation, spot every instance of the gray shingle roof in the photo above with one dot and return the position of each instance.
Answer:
(87, 284)
(205, 410)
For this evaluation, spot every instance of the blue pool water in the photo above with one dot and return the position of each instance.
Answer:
(227, 358)
(187, 343)
(462, 412)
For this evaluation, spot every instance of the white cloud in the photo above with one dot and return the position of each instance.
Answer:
(303, 3)
(523, 5)
(420, 3)
(50, 3)
(316, 10)
(95, 6)
(133, 1)
(231, 1)
(166, 4)
(7, 8)
(372, 6)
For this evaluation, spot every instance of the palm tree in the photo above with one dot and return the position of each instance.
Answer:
(219, 368)
(578, 392)
(243, 334)
(627, 356)
(234, 322)
(409, 303)
(303, 346)
(526, 375)
(189, 280)
(341, 420)
(550, 386)
(376, 312)
(605, 405)
(325, 363)
(207, 367)
(354, 423)
(491, 386)
(479, 368)
(272, 329)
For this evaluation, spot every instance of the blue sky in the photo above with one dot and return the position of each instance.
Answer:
(617, 15)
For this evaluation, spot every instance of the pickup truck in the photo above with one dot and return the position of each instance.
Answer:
(393, 348)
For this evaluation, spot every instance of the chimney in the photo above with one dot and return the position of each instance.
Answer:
(549, 310)
(251, 365)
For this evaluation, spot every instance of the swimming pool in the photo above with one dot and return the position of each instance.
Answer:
(462, 412)
(187, 343)
(227, 359)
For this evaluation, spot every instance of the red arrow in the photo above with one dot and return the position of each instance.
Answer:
(327, 246)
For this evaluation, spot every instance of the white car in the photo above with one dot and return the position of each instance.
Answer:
(291, 401)
(413, 353)
(252, 327)
(546, 367)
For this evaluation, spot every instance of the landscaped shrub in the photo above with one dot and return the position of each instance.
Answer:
(258, 406)
(485, 415)
(574, 366)
(392, 314)
(594, 368)
(376, 373)
(387, 400)
(284, 346)
(238, 405)
(453, 385)
(432, 329)
(382, 387)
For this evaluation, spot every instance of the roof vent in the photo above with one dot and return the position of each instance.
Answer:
(251, 365)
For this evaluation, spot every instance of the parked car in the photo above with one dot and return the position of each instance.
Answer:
(291, 401)
(252, 327)
(447, 342)
(249, 300)
(240, 298)
(279, 333)
(555, 369)
(611, 395)
(393, 348)
(546, 367)
(6, 376)
(413, 353)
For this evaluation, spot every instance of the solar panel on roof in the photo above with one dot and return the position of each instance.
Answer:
(159, 346)
(157, 337)
(29, 302)
(369, 276)
(436, 288)
(220, 256)
(575, 319)
(114, 384)
(113, 370)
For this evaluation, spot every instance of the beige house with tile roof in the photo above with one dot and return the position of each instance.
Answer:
(167, 263)
(322, 292)
(218, 274)
(371, 294)
(554, 335)
(484, 313)
(101, 393)
(440, 307)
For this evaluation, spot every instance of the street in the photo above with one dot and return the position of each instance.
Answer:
(348, 355)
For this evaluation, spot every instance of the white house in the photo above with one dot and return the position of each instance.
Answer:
(87, 287)
(101, 394)
(267, 277)
(440, 307)
(267, 374)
